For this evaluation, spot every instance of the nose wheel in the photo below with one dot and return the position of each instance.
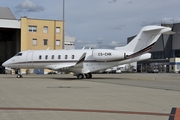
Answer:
(18, 72)
(19, 76)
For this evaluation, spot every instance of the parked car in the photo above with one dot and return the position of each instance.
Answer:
(153, 71)
(118, 71)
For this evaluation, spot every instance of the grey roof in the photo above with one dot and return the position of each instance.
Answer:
(6, 13)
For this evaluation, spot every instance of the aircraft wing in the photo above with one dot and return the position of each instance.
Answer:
(68, 65)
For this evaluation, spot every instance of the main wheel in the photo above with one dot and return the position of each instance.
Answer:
(88, 75)
(80, 76)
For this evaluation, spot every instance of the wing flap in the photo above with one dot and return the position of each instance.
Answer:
(60, 66)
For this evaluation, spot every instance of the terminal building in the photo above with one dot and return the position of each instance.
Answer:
(165, 53)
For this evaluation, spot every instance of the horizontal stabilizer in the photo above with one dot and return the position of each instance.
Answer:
(152, 28)
(169, 33)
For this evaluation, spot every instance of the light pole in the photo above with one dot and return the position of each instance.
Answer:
(63, 25)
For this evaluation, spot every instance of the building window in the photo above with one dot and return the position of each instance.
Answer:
(177, 53)
(34, 41)
(45, 29)
(57, 42)
(72, 56)
(58, 30)
(59, 56)
(46, 57)
(66, 56)
(52, 57)
(45, 41)
(40, 57)
(32, 28)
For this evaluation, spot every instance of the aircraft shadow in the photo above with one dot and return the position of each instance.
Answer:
(94, 78)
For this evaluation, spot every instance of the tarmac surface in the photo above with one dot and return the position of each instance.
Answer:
(128, 96)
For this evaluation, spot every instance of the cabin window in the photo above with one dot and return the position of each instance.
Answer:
(40, 57)
(66, 57)
(46, 57)
(52, 57)
(72, 56)
(59, 56)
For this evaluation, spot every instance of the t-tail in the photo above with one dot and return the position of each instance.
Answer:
(144, 41)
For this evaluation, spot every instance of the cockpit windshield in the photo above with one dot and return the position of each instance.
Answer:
(18, 54)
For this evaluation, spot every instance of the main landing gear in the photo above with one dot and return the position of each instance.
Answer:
(81, 76)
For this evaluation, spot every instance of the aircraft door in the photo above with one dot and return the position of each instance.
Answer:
(29, 59)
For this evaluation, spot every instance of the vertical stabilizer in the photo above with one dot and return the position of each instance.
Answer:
(145, 39)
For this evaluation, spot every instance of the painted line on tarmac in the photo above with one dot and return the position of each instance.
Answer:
(171, 115)
(141, 78)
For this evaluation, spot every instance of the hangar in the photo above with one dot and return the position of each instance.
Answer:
(27, 34)
(9, 34)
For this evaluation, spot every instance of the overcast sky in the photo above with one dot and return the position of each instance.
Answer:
(108, 22)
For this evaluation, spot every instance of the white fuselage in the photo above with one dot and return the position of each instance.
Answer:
(64, 60)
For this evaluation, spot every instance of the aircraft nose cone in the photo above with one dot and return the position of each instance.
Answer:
(4, 64)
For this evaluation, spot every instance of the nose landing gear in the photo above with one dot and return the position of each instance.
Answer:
(19, 76)
(18, 72)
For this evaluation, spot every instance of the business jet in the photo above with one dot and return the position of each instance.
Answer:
(83, 62)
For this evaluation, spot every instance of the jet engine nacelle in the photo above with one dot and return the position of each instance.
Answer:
(107, 55)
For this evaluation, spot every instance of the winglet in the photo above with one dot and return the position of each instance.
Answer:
(81, 59)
